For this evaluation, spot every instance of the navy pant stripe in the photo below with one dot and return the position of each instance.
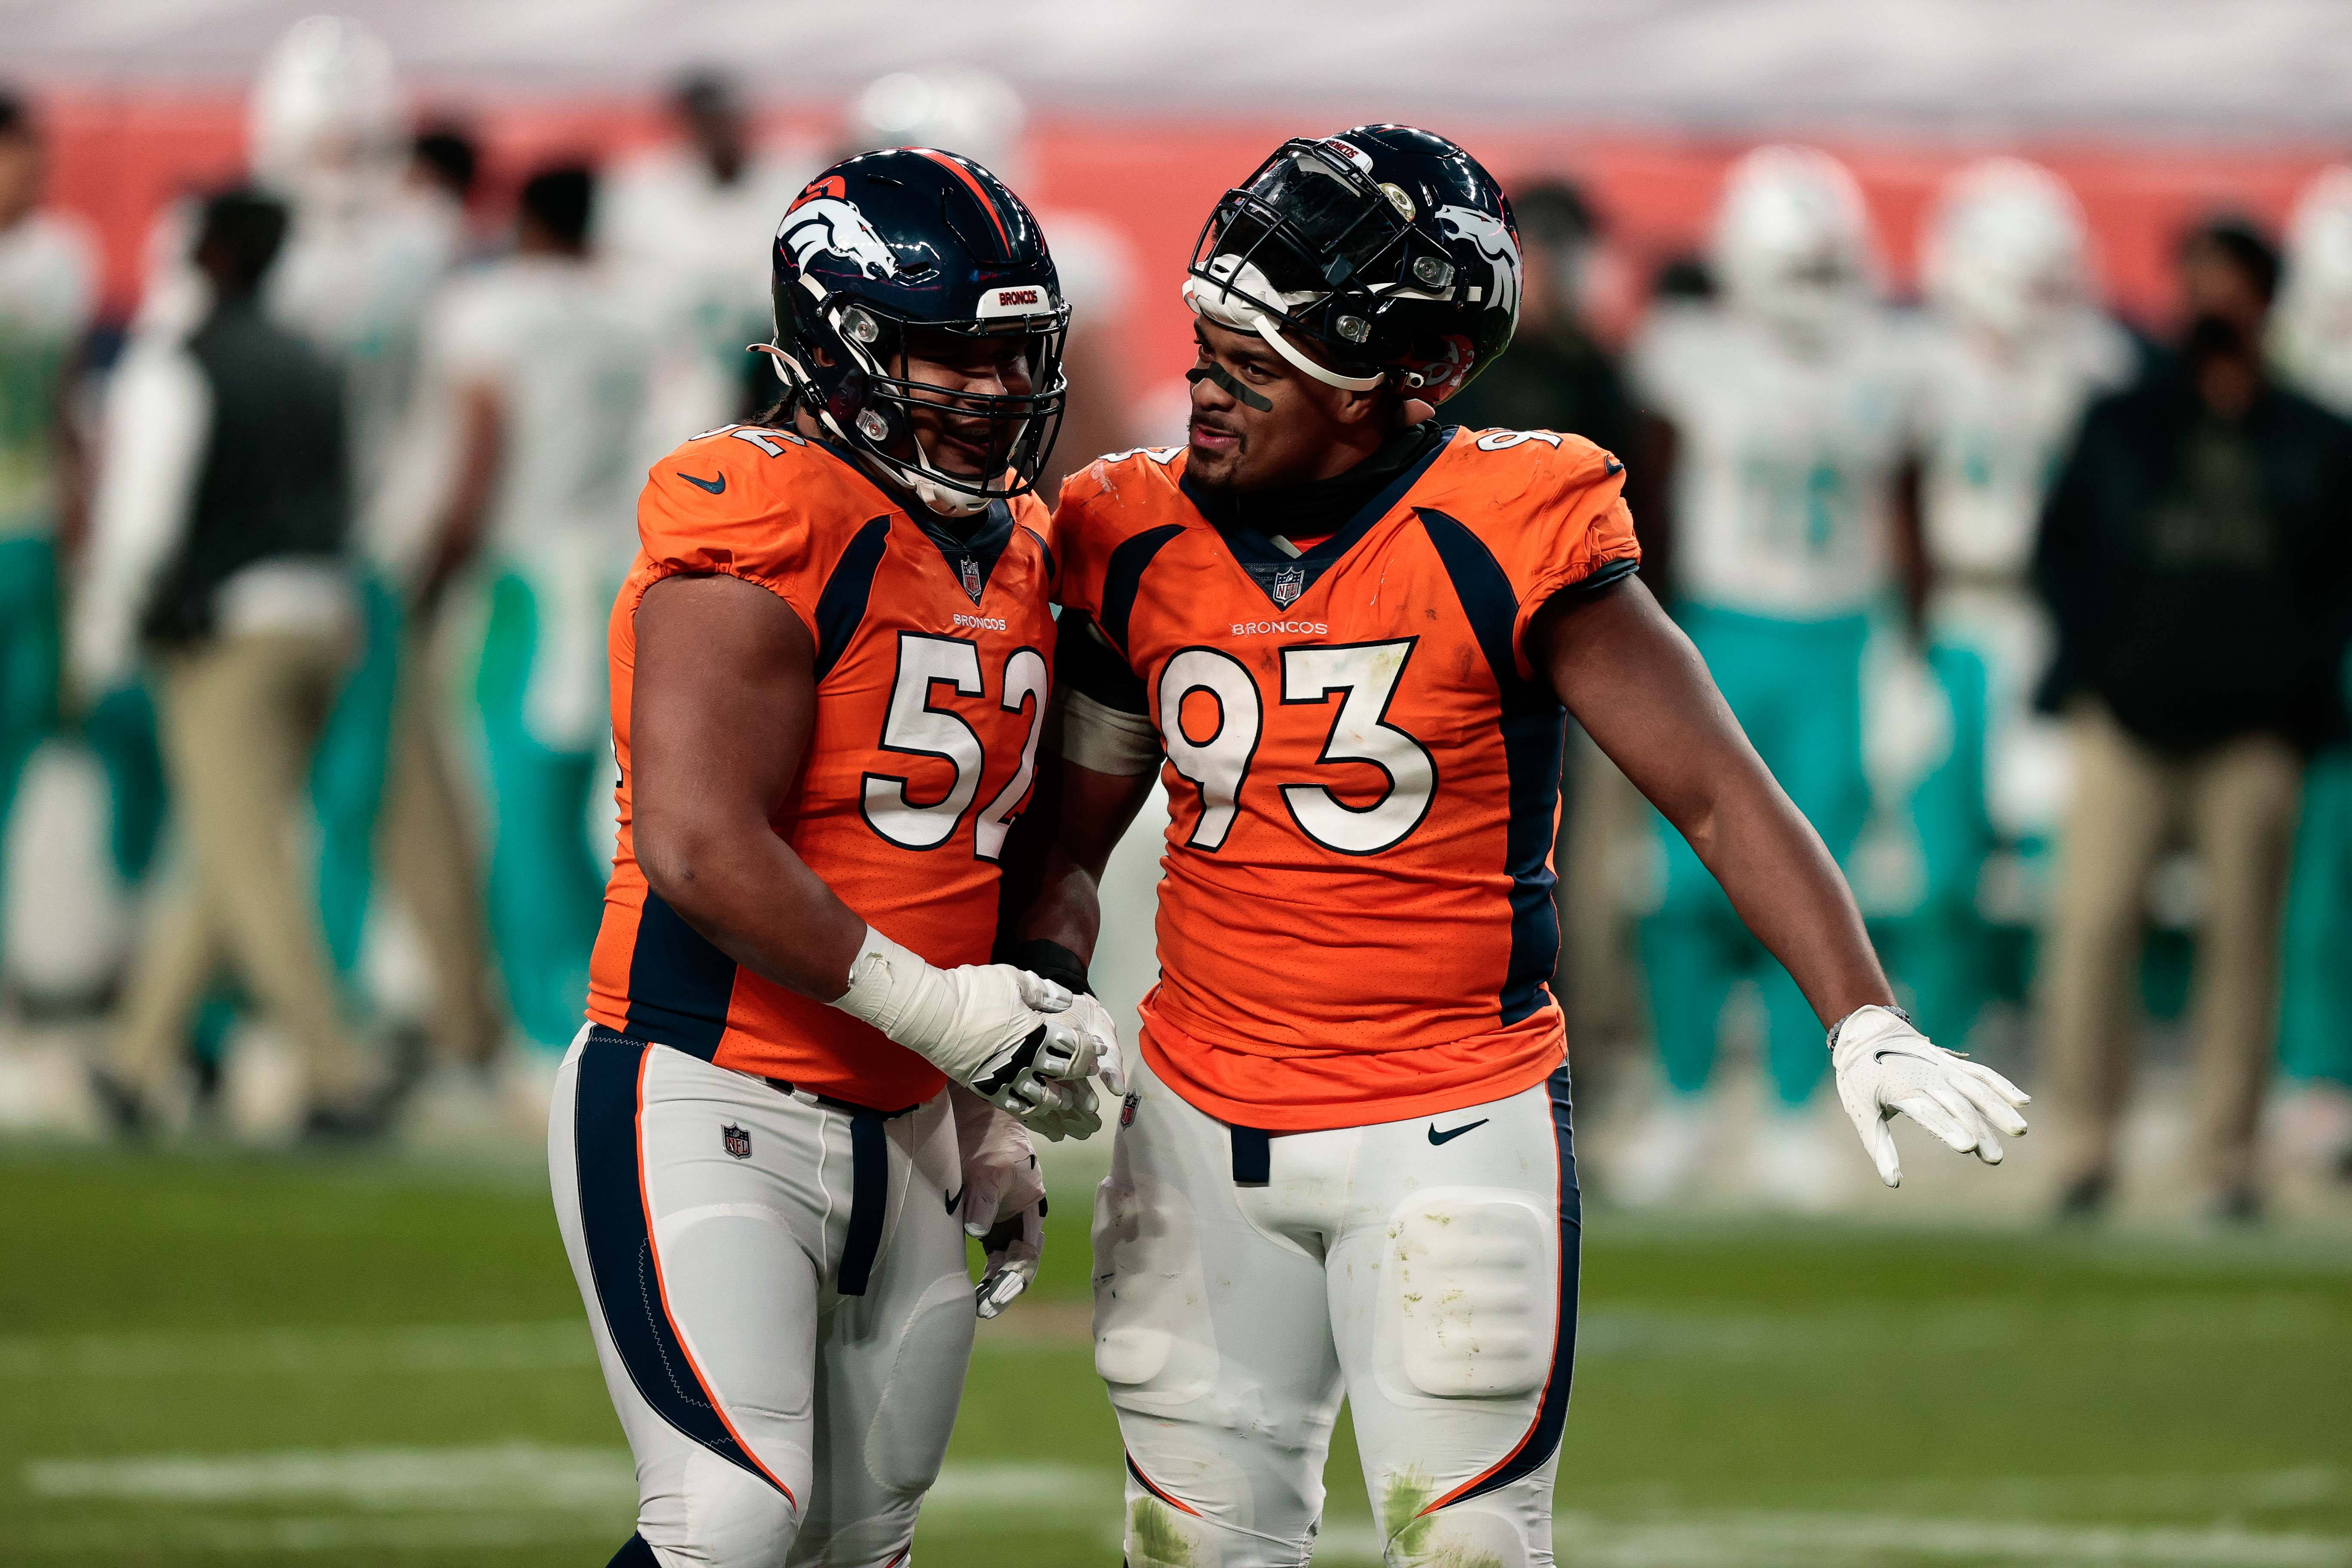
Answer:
(869, 1202)
(1253, 1157)
(1542, 1439)
(621, 1255)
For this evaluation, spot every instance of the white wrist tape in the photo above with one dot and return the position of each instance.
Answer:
(895, 990)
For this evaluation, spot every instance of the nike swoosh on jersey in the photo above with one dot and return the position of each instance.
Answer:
(956, 1196)
(1451, 1133)
(716, 487)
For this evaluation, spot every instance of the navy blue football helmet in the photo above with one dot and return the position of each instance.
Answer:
(914, 239)
(1387, 251)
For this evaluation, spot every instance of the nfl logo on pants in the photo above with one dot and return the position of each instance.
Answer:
(737, 1141)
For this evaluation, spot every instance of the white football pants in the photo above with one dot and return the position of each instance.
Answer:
(1425, 1268)
(779, 1297)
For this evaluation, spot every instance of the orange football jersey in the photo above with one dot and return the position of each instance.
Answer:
(1355, 920)
(933, 660)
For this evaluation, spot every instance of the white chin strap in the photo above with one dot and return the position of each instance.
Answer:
(1220, 303)
(945, 502)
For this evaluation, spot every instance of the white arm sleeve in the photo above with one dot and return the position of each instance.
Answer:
(159, 414)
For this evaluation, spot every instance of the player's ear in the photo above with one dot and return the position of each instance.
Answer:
(1371, 408)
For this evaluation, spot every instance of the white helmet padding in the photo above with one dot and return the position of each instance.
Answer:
(1231, 302)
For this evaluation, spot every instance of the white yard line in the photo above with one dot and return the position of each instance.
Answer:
(513, 1493)
(427, 1347)
(1863, 1540)
(488, 1478)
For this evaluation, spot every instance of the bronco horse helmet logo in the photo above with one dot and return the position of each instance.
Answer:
(1494, 242)
(823, 222)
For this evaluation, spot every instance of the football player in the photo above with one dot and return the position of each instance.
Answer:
(1349, 634)
(2014, 347)
(540, 371)
(1791, 414)
(48, 286)
(829, 673)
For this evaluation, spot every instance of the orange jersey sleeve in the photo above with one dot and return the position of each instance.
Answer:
(1552, 509)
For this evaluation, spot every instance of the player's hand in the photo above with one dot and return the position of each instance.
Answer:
(988, 1026)
(1093, 1019)
(1883, 1066)
(1011, 1249)
(1003, 1202)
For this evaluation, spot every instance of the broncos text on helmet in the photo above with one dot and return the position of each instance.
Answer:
(1382, 255)
(913, 239)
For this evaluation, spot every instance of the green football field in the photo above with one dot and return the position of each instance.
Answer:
(220, 1359)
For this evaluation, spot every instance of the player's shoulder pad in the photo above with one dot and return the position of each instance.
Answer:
(1537, 465)
(1130, 484)
(742, 495)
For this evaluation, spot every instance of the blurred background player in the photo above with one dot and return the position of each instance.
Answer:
(2011, 350)
(364, 253)
(542, 369)
(684, 226)
(48, 267)
(1786, 418)
(2312, 339)
(221, 546)
(2197, 566)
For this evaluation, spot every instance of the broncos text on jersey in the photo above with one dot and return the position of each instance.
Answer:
(933, 661)
(1355, 920)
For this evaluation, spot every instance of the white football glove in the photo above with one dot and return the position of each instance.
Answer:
(1003, 1202)
(987, 1026)
(1092, 1018)
(1883, 1066)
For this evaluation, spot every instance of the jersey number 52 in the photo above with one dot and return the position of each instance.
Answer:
(914, 727)
(1365, 677)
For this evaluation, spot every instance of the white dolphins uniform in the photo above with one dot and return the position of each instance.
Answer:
(692, 256)
(568, 364)
(49, 271)
(1787, 449)
(1997, 428)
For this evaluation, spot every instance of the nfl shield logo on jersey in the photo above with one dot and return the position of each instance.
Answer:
(739, 1141)
(1288, 584)
(970, 572)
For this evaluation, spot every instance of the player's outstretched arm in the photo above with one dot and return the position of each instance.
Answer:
(724, 700)
(1640, 689)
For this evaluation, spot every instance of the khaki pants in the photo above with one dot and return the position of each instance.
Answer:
(239, 719)
(425, 847)
(2237, 803)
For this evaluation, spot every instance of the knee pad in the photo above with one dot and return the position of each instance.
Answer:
(907, 1437)
(1503, 1531)
(722, 1517)
(1471, 1289)
(1154, 1343)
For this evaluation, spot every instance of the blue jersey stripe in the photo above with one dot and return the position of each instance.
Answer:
(1534, 728)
